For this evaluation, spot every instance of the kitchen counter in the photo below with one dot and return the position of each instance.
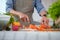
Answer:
(26, 35)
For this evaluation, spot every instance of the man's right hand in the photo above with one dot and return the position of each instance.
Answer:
(24, 17)
(21, 15)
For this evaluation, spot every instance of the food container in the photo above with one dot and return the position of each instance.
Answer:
(3, 20)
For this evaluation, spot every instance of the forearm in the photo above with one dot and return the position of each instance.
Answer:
(9, 7)
(13, 12)
(40, 8)
(16, 13)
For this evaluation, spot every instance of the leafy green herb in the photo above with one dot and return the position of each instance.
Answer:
(54, 10)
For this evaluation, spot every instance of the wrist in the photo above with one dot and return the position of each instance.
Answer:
(43, 15)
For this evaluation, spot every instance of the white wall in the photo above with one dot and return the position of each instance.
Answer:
(2, 6)
(47, 3)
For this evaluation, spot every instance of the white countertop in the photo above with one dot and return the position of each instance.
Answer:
(24, 35)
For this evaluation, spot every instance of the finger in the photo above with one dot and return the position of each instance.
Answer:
(28, 20)
(42, 22)
(22, 19)
(25, 20)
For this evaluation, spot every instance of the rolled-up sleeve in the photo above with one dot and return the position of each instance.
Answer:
(38, 5)
(9, 5)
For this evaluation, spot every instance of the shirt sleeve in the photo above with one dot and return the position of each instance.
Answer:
(38, 5)
(9, 5)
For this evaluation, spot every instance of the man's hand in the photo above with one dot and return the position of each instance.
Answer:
(45, 21)
(24, 17)
(21, 15)
(44, 18)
